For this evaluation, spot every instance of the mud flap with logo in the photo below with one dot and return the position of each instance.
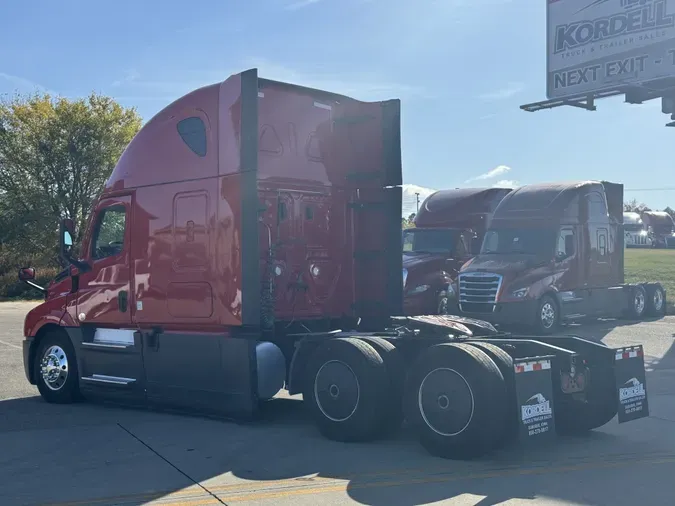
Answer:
(534, 395)
(631, 383)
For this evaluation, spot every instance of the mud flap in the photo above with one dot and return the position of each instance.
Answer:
(534, 395)
(631, 383)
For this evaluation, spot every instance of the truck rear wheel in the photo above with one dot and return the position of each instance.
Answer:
(504, 362)
(637, 304)
(655, 300)
(393, 396)
(345, 382)
(55, 369)
(455, 398)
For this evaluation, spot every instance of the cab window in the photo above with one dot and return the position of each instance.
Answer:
(566, 246)
(108, 237)
(461, 249)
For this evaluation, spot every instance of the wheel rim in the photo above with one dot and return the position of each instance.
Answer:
(658, 300)
(446, 402)
(639, 302)
(547, 315)
(54, 367)
(337, 391)
(443, 306)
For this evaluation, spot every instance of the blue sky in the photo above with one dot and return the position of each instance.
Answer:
(460, 67)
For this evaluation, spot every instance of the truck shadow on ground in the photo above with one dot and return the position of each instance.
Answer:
(102, 454)
(146, 455)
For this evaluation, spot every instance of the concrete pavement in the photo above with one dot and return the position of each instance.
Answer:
(88, 454)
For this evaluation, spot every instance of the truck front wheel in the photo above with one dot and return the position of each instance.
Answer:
(547, 316)
(55, 369)
(346, 380)
(456, 400)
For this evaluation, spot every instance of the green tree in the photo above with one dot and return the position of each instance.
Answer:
(55, 156)
(635, 207)
(408, 222)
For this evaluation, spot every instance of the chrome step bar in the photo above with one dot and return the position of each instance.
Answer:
(108, 380)
(107, 346)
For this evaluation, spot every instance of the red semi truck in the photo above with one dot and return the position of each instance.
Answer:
(248, 241)
(449, 230)
(553, 253)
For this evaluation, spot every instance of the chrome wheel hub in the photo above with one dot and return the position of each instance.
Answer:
(639, 303)
(658, 300)
(547, 315)
(54, 367)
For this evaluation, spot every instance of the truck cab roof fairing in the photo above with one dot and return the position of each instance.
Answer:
(439, 207)
(356, 148)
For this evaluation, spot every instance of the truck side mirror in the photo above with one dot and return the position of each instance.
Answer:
(27, 274)
(66, 234)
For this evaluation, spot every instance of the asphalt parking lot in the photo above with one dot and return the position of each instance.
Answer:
(89, 454)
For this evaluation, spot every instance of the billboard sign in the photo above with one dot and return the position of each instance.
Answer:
(599, 45)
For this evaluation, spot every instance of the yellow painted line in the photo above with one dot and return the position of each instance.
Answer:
(263, 495)
(251, 490)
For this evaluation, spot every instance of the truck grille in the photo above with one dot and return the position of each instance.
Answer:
(478, 291)
(637, 239)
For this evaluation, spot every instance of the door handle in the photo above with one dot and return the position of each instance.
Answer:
(122, 299)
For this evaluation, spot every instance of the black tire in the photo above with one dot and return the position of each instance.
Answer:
(504, 362)
(637, 303)
(56, 353)
(655, 300)
(542, 324)
(393, 396)
(346, 380)
(473, 381)
(574, 417)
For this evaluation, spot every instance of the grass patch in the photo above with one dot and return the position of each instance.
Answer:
(652, 265)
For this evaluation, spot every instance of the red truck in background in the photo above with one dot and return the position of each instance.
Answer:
(660, 227)
(449, 230)
(553, 253)
(248, 241)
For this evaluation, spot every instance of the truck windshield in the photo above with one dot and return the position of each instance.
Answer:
(633, 227)
(535, 241)
(429, 240)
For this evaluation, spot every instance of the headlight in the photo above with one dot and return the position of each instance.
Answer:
(405, 276)
(520, 293)
(450, 290)
(419, 289)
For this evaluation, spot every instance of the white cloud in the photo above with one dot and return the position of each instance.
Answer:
(506, 183)
(22, 84)
(360, 86)
(507, 91)
(497, 171)
(409, 204)
(363, 87)
(300, 4)
(129, 77)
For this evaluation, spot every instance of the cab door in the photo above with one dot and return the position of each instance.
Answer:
(109, 354)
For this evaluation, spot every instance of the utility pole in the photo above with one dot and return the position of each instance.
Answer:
(418, 201)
